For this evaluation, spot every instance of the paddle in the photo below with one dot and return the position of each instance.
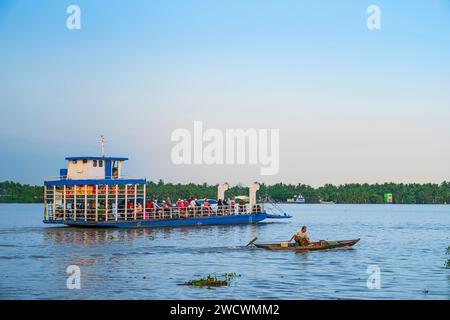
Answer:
(251, 241)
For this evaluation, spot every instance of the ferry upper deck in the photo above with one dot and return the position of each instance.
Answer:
(89, 188)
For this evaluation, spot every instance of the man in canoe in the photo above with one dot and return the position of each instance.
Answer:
(301, 237)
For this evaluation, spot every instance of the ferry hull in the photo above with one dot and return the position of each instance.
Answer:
(213, 220)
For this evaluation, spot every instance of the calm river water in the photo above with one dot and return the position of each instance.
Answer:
(407, 243)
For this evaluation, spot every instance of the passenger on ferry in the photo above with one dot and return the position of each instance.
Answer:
(241, 206)
(179, 205)
(206, 205)
(148, 209)
(231, 206)
(226, 205)
(155, 206)
(129, 205)
(220, 207)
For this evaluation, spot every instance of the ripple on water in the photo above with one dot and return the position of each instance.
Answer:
(11, 257)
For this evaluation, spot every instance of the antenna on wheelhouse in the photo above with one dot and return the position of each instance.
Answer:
(102, 144)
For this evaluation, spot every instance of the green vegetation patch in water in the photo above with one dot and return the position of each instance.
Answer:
(212, 280)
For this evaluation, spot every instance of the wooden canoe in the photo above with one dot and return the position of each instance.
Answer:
(319, 245)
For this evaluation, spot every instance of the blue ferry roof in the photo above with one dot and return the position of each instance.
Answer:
(66, 182)
(97, 158)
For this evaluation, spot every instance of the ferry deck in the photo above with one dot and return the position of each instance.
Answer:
(92, 192)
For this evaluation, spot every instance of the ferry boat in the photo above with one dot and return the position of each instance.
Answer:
(91, 192)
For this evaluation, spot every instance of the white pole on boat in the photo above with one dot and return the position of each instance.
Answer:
(85, 202)
(45, 203)
(221, 190)
(54, 202)
(74, 203)
(117, 202)
(126, 201)
(102, 144)
(135, 201)
(144, 199)
(252, 194)
(106, 205)
(64, 203)
(96, 202)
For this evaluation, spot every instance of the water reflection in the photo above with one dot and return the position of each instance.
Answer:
(96, 236)
(93, 236)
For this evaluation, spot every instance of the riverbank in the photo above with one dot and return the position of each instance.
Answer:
(412, 193)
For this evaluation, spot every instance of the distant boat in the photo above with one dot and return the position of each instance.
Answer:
(299, 199)
(327, 202)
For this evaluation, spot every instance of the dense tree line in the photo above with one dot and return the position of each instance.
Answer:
(22, 193)
(428, 193)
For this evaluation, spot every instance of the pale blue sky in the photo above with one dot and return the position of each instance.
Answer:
(352, 105)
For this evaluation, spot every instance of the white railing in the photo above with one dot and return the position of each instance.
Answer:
(141, 214)
(122, 177)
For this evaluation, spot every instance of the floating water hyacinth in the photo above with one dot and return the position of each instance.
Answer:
(212, 280)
